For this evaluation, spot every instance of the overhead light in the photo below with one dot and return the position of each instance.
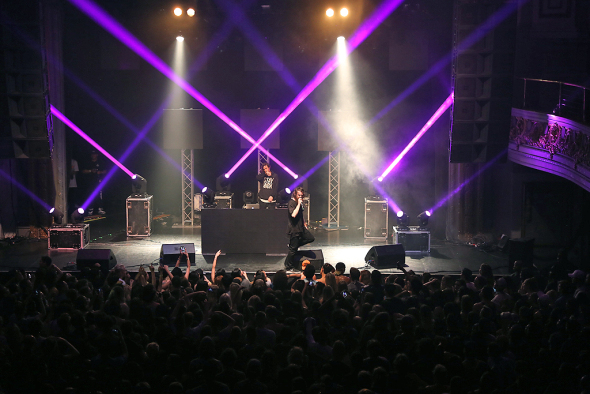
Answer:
(178, 11)
(340, 38)
(423, 218)
(344, 12)
(57, 215)
(330, 12)
(77, 216)
(180, 38)
(190, 12)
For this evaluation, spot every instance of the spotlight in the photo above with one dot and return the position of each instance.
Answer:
(77, 216)
(208, 197)
(340, 38)
(344, 12)
(249, 197)
(178, 11)
(423, 218)
(179, 38)
(330, 12)
(284, 197)
(138, 185)
(403, 220)
(190, 12)
(222, 185)
(57, 215)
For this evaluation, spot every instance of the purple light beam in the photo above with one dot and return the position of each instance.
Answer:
(471, 178)
(26, 191)
(118, 31)
(72, 126)
(308, 173)
(447, 103)
(356, 39)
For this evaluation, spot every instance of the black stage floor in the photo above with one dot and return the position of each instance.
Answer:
(347, 246)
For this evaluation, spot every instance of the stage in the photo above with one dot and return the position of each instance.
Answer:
(347, 246)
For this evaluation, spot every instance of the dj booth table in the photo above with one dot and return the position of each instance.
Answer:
(244, 231)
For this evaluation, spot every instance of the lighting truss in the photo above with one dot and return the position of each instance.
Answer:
(188, 213)
(334, 190)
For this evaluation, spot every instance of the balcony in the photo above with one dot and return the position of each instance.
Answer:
(549, 132)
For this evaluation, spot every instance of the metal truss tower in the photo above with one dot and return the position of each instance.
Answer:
(187, 175)
(334, 190)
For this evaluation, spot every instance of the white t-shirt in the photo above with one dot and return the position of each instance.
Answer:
(73, 170)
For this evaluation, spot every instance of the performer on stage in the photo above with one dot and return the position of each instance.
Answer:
(269, 186)
(298, 233)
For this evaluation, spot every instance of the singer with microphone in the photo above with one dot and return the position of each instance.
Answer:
(297, 230)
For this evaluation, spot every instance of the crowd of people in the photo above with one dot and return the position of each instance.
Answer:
(322, 330)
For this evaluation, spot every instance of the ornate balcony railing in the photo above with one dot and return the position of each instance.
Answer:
(550, 129)
(552, 144)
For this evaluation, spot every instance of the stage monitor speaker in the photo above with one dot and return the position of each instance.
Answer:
(386, 256)
(169, 254)
(520, 249)
(315, 257)
(88, 258)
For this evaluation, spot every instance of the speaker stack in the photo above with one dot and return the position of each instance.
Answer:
(483, 75)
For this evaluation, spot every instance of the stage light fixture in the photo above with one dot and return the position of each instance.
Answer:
(77, 216)
(178, 11)
(284, 197)
(249, 197)
(138, 185)
(423, 218)
(330, 12)
(340, 38)
(190, 12)
(344, 12)
(179, 38)
(403, 220)
(57, 215)
(208, 196)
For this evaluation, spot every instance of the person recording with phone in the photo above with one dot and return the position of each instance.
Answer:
(177, 271)
(297, 231)
(269, 187)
